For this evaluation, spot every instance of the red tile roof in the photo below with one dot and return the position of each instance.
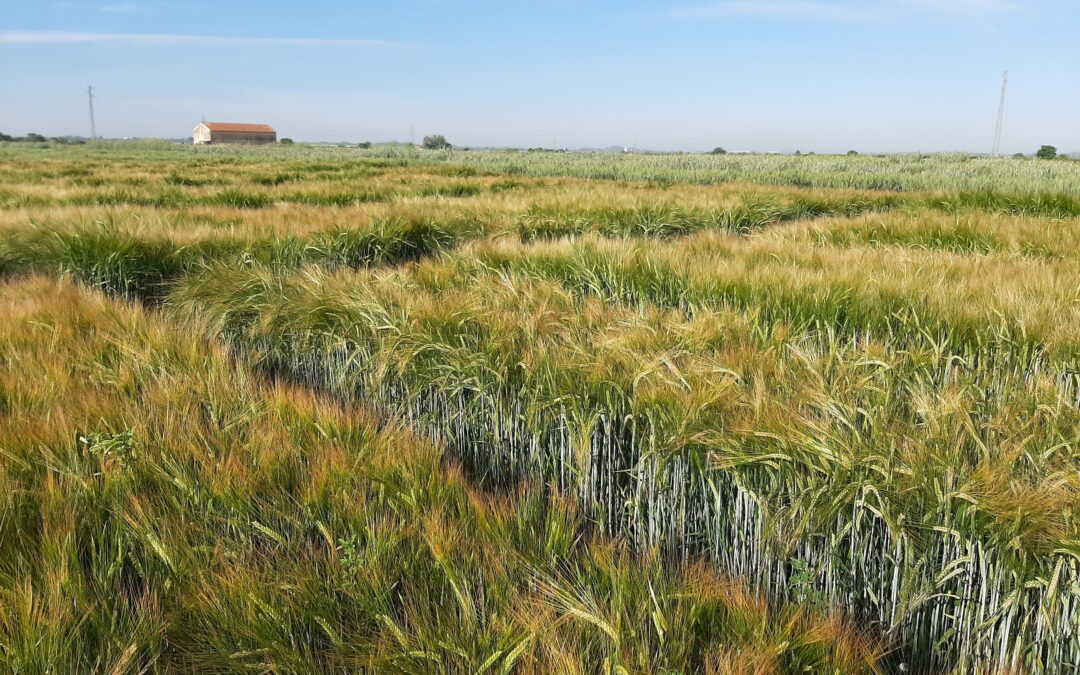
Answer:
(242, 128)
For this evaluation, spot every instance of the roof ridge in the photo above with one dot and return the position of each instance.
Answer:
(239, 126)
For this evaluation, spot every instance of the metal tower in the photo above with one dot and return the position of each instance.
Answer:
(1001, 115)
(93, 126)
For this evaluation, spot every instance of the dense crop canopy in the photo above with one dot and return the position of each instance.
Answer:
(467, 411)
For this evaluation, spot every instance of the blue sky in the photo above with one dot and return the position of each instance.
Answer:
(815, 75)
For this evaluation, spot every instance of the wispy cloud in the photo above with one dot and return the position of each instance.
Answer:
(968, 8)
(836, 10)
(777, 8)
(63, 37)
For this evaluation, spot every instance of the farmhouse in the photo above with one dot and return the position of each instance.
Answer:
(231, 132)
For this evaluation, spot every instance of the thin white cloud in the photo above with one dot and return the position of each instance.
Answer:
(63, 37)
(967, 8)
(836, 10)
(778, 8)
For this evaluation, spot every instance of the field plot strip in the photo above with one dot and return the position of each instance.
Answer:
(892, 173)
(165, 509)
(638, 416)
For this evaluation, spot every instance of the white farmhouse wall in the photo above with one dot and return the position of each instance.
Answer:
(201, 134)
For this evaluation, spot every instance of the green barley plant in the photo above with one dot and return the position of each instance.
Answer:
(390, 409)
(256, 526)
(659, 448)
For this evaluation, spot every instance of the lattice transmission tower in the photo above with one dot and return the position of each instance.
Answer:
(1001, 115)
(93, 125)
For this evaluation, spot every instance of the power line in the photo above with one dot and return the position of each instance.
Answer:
(1001, 115)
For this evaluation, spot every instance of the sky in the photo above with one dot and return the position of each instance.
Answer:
(761, 75)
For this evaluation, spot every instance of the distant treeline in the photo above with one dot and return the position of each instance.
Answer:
(38, 138)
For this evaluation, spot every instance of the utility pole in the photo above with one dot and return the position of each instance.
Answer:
(1001, 115)
(93, 126)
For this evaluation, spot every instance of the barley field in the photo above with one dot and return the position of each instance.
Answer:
(318, 409)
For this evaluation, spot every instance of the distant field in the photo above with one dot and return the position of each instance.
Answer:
(897, 173)
(948, 172)
(308, 408)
